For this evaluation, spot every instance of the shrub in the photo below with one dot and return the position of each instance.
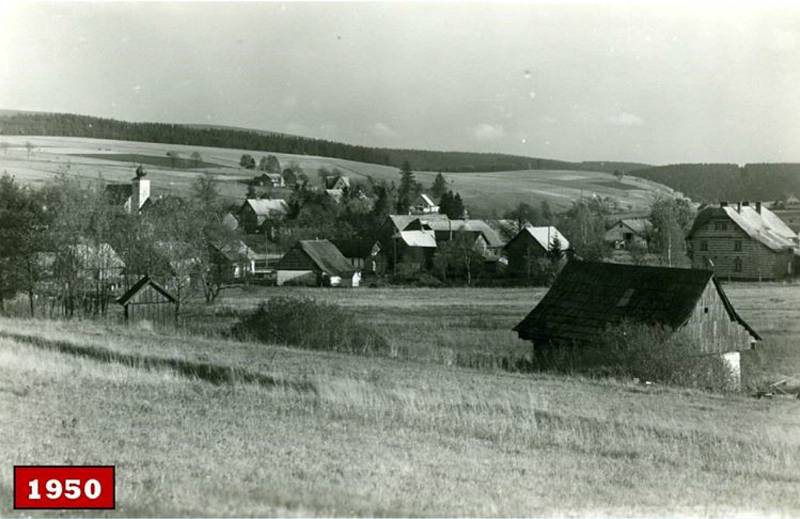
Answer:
(651, 353)
(306, 323)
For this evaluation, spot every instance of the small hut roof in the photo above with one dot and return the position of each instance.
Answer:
(427, 200)
(587, 297)
(267, 207)
(421, 238)
(640, 226)
(545, 236)
(146, 280)
(440, 225)
(326, 256)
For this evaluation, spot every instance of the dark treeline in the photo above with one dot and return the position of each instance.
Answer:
(713, 182)
(71, 125)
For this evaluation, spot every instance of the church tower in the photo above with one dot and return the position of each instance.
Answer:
(140, 190)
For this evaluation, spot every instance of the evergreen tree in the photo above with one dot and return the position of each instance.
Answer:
(439, 186)
(407, 190)
(458, 207)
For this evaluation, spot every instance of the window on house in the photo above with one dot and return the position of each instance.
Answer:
(625, 299)
(737, 265)
(704, 245)
(720, 226)
(737, 245)
(705, 310)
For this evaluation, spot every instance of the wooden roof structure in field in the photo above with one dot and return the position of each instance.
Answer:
(587, 297)
(141, 285)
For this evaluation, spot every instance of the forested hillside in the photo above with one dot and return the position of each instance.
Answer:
(71, 125)
(713, 182)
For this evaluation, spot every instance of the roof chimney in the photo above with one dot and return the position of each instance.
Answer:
(758, 207)
(738, 207)
(723, 203)
(746, 203)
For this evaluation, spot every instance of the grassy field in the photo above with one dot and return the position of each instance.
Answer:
(200, 425)
(484, 193)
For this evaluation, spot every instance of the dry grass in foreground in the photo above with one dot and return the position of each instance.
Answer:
(350, 435)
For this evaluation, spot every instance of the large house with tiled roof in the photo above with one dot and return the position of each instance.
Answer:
(742, 241)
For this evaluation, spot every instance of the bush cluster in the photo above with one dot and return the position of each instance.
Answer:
(307, 323)
(650, 353)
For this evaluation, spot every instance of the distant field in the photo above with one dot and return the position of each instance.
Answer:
(484, 193)
(269, 430)
(151, 160)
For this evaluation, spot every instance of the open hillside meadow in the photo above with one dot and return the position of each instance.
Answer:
(483, 193)
(198, 424)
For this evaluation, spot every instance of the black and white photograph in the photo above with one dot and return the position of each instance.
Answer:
(400, 259)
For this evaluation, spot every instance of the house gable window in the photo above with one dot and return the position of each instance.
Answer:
(720, 226)
(737, 245)
(703, 245)
(737, 265)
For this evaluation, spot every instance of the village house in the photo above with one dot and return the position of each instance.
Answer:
(742, 241)
(424, 205)
(487, 240)
(132, 197)
(236, 259)
(532, 244)
(588, 297)
(256, 211)
(269, 179)
(408, 243)
(339, 182)
(316, 263)
(627, 232)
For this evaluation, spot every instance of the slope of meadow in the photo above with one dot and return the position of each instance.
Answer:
(484, 193)
(207, 426)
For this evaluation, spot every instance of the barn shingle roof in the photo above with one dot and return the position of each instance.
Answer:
(587, 297)
(326, 256)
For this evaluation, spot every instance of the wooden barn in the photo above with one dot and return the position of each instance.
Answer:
(317, 263)
(531, 244)
(147, 300)
(742, 241)
(587, 297)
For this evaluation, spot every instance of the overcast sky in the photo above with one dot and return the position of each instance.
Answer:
(658, 84)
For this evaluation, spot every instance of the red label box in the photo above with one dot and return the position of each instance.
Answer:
(61, 487)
